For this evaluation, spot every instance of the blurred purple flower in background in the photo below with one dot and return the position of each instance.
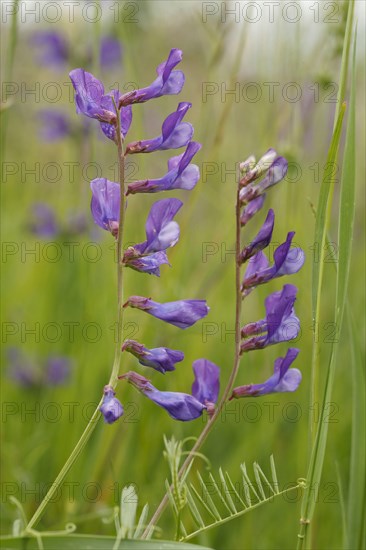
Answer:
(52, 49)
(182, 314)
(51, 371)
(53, 125)
(43, 223)
(160, 359)
(283, 379)
(110, 52)
(57, 370)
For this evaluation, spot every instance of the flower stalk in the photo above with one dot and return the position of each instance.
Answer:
(230, 385)
(120, 267)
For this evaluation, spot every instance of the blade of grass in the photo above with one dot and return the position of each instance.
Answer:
(345, 57)
(346, 221)
(321, 227)
(356, 491)
(323, 213)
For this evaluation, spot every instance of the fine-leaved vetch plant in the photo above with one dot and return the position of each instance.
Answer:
(111, 204)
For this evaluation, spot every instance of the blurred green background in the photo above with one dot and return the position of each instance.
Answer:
(284, 77)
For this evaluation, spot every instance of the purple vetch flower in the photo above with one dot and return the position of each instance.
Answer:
(145, 264)
(262, 239)
(54, 125)
(160, 359)
(168, 82)
(175, 134)
(161, 233)
(252, 170)
(275, 173)
(110, 52)
(52, 49)
(287, 261)
(57, 370)
(90, 98)
(280, 324)
(206, 385)
(182, 314)
(109, 129)
(111, 408)
(182, 406)
(44, 222)
(283, 379)
(251, 209)
(180, 175)
(105, 204)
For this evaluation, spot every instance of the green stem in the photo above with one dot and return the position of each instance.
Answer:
(120, 267)
(118, 353)
(228, 389)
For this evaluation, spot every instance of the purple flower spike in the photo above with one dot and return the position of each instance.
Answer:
(160, 359)
(52, 49)
(251, 209)
(54, 125)
(168, 82)
(206, 385)
(284, 379)
(180, 175)
(110, 52)
(111, 407)
(89, 96)
(280, 325)
(175, 134)
(262, 239)
(105, 204)
(287, 261)
(182, 314)
(180, 406)
(44, 221)
(109, 129)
